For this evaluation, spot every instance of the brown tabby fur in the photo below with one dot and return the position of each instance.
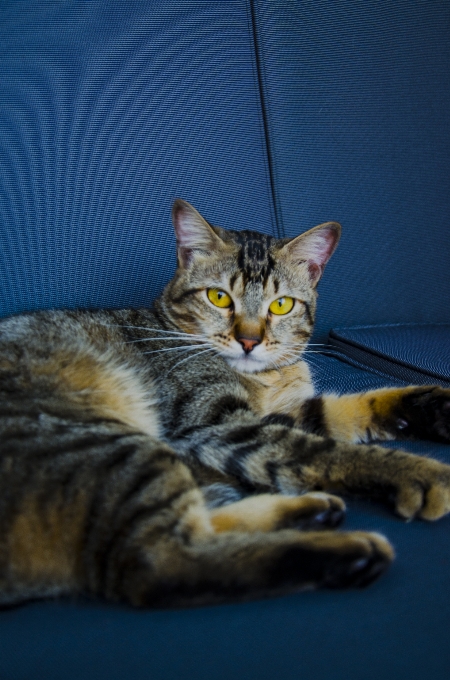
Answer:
(146, 457)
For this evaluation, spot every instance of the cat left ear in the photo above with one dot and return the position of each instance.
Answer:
(315, 247)
(193, 233)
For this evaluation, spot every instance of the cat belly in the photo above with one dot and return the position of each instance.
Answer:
(113, 390)
(76, 362)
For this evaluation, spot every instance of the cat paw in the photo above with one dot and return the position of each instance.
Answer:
(424, 490)
(332, 559)
(271, 512)
(424, 413)
(362, 558)
(314, 511)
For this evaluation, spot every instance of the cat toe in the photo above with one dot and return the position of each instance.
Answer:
(426, 412)
(318, 510)
(424, 490)
(361, 565)
(330, 518)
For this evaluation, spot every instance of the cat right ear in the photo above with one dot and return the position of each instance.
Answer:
(193, 233)
(315, 247)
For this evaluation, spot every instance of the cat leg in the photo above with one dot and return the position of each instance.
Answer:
(417, 486)
(151, 541)
(132, 526)
(267, 512)
(389, 413)
(186, 569)
(270, 455)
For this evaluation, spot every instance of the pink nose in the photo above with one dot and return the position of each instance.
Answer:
(248, 343)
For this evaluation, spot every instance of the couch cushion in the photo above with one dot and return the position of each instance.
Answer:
(396, 629)
(415, 353)
(357, 96)
(111, 109)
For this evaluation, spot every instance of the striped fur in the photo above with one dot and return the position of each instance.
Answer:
(147, 457)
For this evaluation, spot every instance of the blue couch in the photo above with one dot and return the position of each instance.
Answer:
(273, 115)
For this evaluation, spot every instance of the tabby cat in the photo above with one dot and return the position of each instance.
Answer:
(179, 455)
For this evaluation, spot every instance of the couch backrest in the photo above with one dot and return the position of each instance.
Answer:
(357, 99)
(109, 110)
(264, 114)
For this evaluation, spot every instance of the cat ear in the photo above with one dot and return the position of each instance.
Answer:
(315, 247)
(193, 233)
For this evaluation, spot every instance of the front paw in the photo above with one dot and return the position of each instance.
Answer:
(314, 510)
(424, 413)
(424, 490)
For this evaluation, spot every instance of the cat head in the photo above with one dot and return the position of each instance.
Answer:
(252, 296)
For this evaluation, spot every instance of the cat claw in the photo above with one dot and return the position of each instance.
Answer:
(323, 511)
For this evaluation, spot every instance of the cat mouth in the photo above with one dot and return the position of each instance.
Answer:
(246, 363)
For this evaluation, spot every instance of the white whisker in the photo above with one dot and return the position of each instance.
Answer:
(191, 357)
(183, 348)
(159, 330)
(314, 351)
(173, 339)
(310, 344)
(304, 348)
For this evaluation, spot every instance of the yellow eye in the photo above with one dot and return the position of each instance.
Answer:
(282, 306)
(219, 297)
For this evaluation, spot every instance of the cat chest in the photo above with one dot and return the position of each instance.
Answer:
(280, 391)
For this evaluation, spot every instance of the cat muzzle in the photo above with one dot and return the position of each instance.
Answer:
(248, 343)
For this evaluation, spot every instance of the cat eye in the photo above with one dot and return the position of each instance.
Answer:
(282, 306)
(218, 297)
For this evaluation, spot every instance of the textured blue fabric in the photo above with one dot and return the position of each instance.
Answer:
(357, 96)
(110, 109)
(331, 374)
(416, 353)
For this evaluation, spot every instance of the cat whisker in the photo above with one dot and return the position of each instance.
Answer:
(158, 330)
(304, 348)
(283, 360)
(320, 351)
(324, 353)
(183, 348)
(286, 355)
(289, 354)
(173, 339)
(291, 350)
(212, 349)
(306, 343)
(275, 364)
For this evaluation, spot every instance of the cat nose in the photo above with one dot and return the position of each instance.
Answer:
(248, 343)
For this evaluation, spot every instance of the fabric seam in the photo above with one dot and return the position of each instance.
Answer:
(261, 88)
(372, 352)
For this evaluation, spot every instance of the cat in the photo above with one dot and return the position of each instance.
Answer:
(179, 456)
